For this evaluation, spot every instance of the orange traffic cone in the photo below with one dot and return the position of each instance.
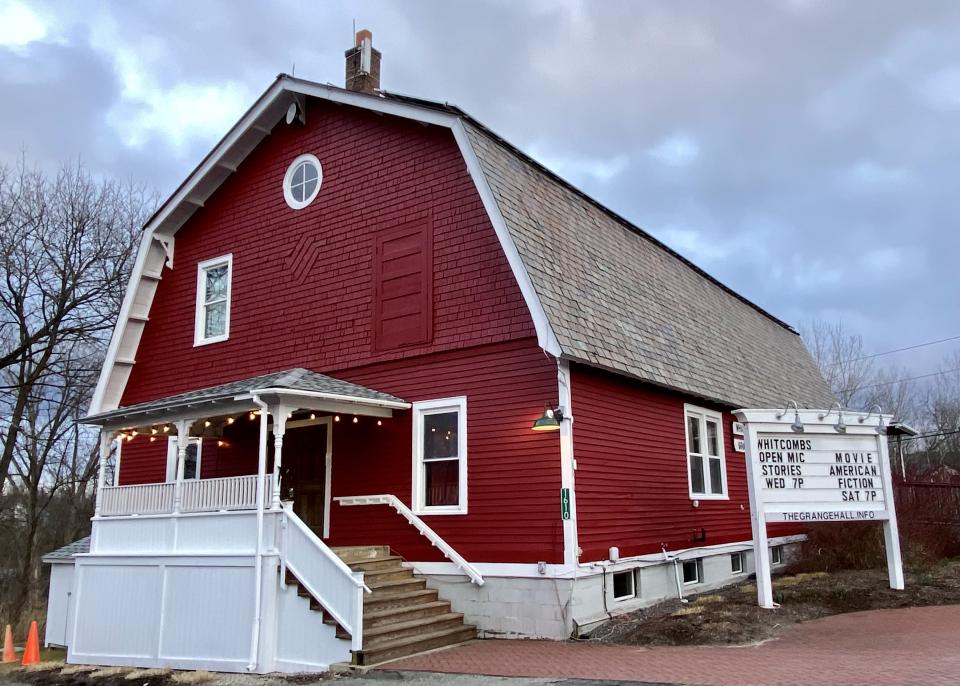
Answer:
(31, 654)
(8, 653)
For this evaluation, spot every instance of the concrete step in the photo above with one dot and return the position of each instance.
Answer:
(388, 562)
(387, 633)
(375, 576)
(410, 645)
(373, 602)
(359, 553)
(373, 619)
(392, 586)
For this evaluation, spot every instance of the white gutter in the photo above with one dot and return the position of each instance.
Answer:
(320, 395)
(258, 572)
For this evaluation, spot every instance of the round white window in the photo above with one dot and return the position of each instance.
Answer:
(302, 181)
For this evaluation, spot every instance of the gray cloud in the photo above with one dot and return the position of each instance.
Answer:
(804, 152)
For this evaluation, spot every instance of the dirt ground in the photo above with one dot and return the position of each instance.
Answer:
(730, 616)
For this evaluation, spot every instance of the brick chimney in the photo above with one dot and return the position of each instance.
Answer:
(363, 65)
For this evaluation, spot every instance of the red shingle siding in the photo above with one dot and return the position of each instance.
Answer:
(631, 480)
(513, 473)
(302, 280)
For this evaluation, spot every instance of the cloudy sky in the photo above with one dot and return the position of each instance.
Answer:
(806, 153)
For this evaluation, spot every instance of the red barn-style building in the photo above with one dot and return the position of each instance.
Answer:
(381, 381)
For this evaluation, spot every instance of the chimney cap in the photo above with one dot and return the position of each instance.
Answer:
(361, 34)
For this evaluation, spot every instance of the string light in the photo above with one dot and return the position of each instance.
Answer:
(379, 423)
(313, 416)
(355, 420)
(230, 420)
(166, 428)
(207, 423)
(154, 431)
(253, 415)
(221, 444)
(336, 418)
(129, 437)
(153, 438)
(133, 433)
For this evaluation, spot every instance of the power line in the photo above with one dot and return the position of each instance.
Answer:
(895, 350)
(906, 378)
(935, 435)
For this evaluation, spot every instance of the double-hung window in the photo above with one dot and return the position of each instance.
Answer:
(706, 470)
(440, 456)
(213, 300)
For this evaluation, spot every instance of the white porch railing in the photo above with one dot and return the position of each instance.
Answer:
(196, 495)
(139, 499)
(327, 578)
(225, 493)
(421, 526)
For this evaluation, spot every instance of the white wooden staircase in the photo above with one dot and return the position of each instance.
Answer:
(401, 616)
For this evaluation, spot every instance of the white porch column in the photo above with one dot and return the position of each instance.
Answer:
(183, 440)
(279, 428)
(106, 439)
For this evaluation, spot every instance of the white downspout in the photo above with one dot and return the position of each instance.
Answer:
(258, 572)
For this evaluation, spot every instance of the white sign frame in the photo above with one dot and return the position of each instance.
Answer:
(757, 421)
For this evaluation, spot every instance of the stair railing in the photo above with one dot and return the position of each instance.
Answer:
(421, 526)
(337, 588)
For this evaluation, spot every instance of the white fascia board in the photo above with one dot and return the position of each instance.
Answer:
(545, 335)
(319, 395)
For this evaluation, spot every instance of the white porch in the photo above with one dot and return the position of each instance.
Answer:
(192, 573)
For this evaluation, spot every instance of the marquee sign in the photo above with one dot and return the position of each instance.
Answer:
(807, 466)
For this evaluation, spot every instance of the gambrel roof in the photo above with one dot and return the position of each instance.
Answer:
(600, 290)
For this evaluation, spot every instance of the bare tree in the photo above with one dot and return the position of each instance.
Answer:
(842, 360)
(66, 244)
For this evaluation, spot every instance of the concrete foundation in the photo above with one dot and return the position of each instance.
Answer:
(572, 605)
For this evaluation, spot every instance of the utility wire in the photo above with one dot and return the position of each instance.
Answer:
(935, 435)
(896, 350)
(906, 378)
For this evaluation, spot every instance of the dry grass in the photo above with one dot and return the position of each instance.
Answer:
(199, 676)
(146, 674)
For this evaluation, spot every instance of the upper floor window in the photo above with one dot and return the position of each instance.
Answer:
(705, 464)
(213, 300)
(302, 181)
(440, 456)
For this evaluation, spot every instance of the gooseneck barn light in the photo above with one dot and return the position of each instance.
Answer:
(550, 420)
(840, 427)
(797, 425)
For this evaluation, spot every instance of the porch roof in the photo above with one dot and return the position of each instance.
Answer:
(298, 382)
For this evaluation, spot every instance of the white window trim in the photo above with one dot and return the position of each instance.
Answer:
(698, 564)
(200, 312)
(743, 563)
(633, 585)
(418, 495)
(292, 202)
(701, 413)
(172, 450)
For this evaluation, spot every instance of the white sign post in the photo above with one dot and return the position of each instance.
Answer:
(808, 466)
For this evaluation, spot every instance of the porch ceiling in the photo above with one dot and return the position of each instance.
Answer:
(298, 387)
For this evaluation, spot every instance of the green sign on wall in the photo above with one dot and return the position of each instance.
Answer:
(564, 504)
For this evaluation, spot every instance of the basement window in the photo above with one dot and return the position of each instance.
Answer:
(625, 585)
(706, 471)
(692, 571)
(213, 300)
(440, 456)
(302, 181)
(737, 563)
(776, 555)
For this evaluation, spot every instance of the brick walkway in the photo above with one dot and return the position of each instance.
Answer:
(879, 648)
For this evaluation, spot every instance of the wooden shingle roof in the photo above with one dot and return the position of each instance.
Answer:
(618, 299)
